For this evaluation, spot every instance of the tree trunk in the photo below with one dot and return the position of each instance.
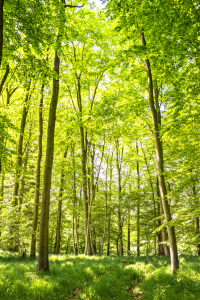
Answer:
(197, 218)
(197, 233)
(108, 239)
(119, 158)
(153, 196)
(106, 198)
(160, 165)
(138, 206)
(1, 197)
(19, 165)
(84, 173)
(20, 146)
(43, 261)
(37, 184)
(4, 77)
(1, 29)
(74, 221)
(58, 228)
(129, 233)
(23, 182)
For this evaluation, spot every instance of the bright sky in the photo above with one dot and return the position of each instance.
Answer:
(98, 3)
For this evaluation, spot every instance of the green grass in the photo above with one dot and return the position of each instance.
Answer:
(80, 277)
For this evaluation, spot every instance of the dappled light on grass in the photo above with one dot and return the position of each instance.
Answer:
(95, 277)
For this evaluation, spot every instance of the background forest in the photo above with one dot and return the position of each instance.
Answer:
(99, 128)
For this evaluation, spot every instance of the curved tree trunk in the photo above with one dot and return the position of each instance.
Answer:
(43, 261)
(160, 165)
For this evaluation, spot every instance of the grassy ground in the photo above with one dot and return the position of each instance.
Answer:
(79, 277)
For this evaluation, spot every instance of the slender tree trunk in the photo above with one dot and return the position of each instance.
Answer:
(23, 182)
(58, 228)
(20, 146)
(160, 165)
(1, 29)
(43, 261)
(106, 198)
(37, 184)
(108, 238)
(197, 233)
(1, 198)
(152, 191)
(84, 172)
(15, 247)
(109, 211)
(129, 233)
(129, 224)
(196, 219)
(74, 221)
(119, 158)
(117, 246)
(138, 206)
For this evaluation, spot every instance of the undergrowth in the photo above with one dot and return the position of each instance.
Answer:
(99, 277)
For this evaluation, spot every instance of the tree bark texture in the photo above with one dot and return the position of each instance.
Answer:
(37, 184)
(43, 261)
(160, 166)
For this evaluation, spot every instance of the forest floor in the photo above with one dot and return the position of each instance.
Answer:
(99, 277)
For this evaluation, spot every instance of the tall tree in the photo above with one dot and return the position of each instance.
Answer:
(37, 184)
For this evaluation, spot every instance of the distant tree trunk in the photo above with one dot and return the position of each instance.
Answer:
(117, 247)
(153, 194)
(23, 182)
(108, 238)
(197, 233)
(58, 228)
(84, 172)
(106, 210)
(20, 146)
(74, 221)
(1, 29)
(37, 184)
(109, 211)
(129, 224)
(160, 165)
(1, 198)
(119, 158)
(43, 261)
(196, 219)
(138, 206)
(15, 247)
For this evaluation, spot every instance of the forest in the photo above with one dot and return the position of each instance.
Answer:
(99, 140)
